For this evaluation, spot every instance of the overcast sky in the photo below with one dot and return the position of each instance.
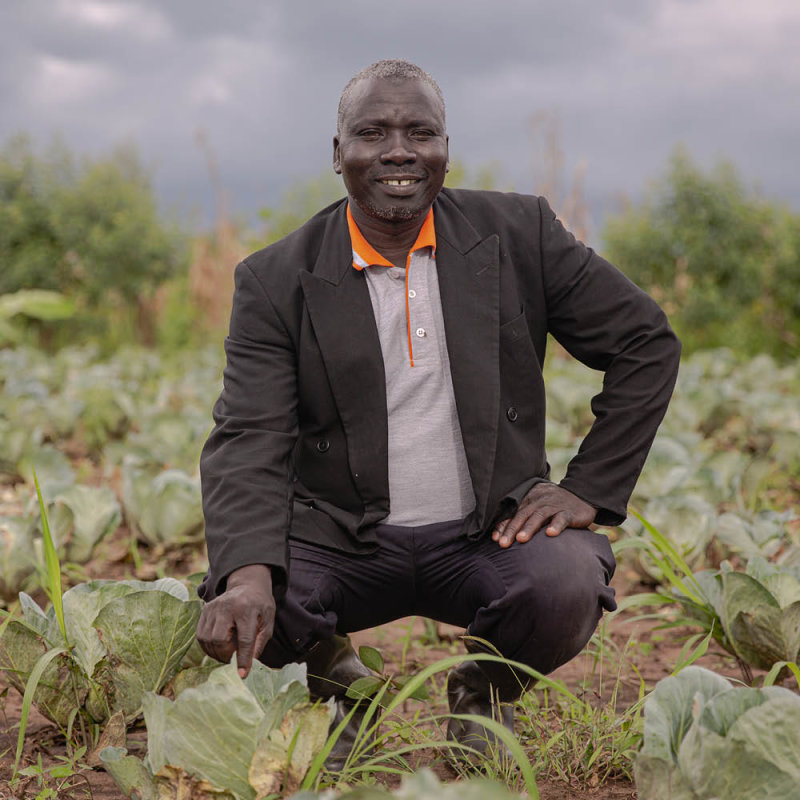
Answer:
(626, 80)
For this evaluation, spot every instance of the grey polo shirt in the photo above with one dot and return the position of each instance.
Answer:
(428, 475)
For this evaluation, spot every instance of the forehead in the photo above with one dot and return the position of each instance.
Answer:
(395, 101)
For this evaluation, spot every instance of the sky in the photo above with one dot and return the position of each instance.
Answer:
(622, 81)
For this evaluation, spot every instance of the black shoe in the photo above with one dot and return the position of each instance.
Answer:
(332, 666)
(469, 692)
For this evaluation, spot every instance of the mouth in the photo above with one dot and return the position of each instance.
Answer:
(408, 181)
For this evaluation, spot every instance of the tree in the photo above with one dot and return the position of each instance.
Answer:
(724, 262)
(89, 229)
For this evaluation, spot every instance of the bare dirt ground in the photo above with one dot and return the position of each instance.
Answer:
(404, 647)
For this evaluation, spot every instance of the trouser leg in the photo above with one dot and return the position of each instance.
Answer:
(330, 594)
(537, 602)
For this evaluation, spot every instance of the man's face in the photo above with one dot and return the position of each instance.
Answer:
(392, 149)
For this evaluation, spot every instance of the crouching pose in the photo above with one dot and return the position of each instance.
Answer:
(379, 441)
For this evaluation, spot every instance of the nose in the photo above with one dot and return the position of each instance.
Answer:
(397, 151)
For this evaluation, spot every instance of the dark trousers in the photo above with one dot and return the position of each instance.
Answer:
(537, 602)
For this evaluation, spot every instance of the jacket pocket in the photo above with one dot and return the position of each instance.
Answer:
(516, 341)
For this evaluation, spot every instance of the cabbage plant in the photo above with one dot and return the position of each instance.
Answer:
(164, 507)
(704, 739)
(80, 517)
(755, 614)
(17, 554)
(763, 533)
(686, 521)
(124, 638)
(228, 739)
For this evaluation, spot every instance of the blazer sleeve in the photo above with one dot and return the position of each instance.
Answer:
(246, 464)
(609, 324)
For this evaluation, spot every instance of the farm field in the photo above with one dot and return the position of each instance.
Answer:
(708, 576)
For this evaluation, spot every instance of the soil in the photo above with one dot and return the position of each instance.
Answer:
(404, 648)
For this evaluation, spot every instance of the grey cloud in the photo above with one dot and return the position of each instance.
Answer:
(627, 80)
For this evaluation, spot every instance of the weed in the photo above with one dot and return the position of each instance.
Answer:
(63, 779)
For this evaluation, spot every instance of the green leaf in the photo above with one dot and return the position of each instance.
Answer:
(53, 584)
(129, 773)
(771, 731)
(86, 514)
(167, 507)
(211, 731)
(670, 709)
(364, 687)
(54, 472)
(371, 658)
(282, 757)
(17, 559)
(146, 634)
(31, 688)
(418, 693)
(760, 632)
(36, 303)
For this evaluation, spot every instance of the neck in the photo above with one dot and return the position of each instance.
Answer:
(393, 240)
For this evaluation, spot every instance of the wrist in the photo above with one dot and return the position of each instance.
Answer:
(259, 574)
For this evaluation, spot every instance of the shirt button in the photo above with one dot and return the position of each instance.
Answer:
(421, 332)
(411, 293)
(511, 413)
(323, 445)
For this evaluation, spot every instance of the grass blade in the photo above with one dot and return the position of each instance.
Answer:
(53, 583)
(27, 698)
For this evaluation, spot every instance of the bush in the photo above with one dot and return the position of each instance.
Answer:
(724, 262)
(90, 230)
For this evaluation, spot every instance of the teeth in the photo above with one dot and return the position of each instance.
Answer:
(405, 182)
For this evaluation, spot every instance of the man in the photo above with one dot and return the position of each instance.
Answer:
(379, 441)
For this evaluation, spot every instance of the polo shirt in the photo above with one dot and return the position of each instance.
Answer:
(428, 474)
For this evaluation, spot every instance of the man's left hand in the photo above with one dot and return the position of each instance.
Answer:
(545, 504)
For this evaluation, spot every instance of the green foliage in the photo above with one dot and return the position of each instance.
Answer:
(703, 738)
(89, 230)
(228, 738)
(119, 640)
(755, 614)
(724, 262)
(38, 304)
(296, 206)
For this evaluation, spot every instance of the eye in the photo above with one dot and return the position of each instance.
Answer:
(422, 134)
(369, 134)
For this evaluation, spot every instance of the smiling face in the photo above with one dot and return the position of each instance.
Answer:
(391, 150)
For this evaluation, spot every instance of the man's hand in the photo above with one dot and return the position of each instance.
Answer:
(241, 619)
(544, 503)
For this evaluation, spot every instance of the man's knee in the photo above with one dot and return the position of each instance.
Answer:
(546, 617)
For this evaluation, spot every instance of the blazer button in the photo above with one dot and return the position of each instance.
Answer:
(323, 445)
(511, 413)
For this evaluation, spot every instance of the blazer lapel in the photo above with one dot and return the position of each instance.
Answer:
(341, 314)
(469, 283)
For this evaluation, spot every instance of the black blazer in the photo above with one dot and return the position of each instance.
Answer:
(300, 443)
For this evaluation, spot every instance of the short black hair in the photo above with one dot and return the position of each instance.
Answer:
(391, 69)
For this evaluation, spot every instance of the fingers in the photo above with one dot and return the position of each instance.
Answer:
(215, 633)
(235, 624)
(252, 636)
(558, 523)
(545, 504)
(521, 527)
(246, 635)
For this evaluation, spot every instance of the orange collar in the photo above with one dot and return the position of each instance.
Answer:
(365, 255)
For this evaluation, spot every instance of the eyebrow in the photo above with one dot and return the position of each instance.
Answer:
(385, 122)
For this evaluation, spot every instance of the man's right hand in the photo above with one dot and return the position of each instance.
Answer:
(240, 620)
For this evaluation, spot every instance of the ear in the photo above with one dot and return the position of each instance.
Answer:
(337, 166)
(447, 144)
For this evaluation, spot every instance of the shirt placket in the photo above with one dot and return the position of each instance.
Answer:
(419, 324)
